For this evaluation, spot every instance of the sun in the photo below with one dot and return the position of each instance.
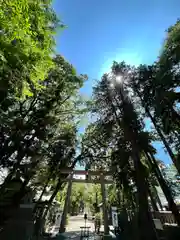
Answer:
(131, 58)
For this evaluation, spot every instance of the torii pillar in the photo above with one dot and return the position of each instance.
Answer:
(66, 205)
(105, 214)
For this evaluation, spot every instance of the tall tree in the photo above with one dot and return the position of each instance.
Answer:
(114, 106)
(41, 130)
(144, 84)
(145, 145)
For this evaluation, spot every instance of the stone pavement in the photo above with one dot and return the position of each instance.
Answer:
(75, 222)
(73, 231)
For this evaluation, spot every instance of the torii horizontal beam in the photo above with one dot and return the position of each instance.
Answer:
(83, 172)
(88, 181)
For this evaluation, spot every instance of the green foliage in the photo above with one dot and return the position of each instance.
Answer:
(26, 42)
(171, 177)
(112, 193)
(39, 134)
(170, 55)
(93, 196)
(82, 195)
(77, 197)
(99, 216)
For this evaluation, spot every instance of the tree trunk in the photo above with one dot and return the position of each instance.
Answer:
(12, 172)
(157, 198)
(18, 197)
(42, 193)
(165, 188)
(16, 165)
(153, 201)
(44, 189)
(58, 186)
(170, 152)
(146, 227)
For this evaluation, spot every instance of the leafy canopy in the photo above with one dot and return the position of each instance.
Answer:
(27, 28)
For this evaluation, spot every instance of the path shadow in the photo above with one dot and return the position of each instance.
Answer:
(73, 235)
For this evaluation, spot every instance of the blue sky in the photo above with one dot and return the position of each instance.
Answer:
(100, 31)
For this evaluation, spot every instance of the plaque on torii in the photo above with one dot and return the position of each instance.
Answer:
(83, 172)
(89, 173)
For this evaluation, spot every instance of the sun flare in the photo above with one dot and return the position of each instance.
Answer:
(131, 58)
(119, 79)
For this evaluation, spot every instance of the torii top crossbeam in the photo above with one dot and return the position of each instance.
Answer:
(83, 172)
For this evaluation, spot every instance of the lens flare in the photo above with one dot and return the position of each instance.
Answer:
(111, 85)
(119, 79)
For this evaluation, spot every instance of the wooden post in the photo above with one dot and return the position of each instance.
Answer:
(105, 214)
(66, 205)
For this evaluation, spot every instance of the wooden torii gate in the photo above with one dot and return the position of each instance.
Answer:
(101, 181)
